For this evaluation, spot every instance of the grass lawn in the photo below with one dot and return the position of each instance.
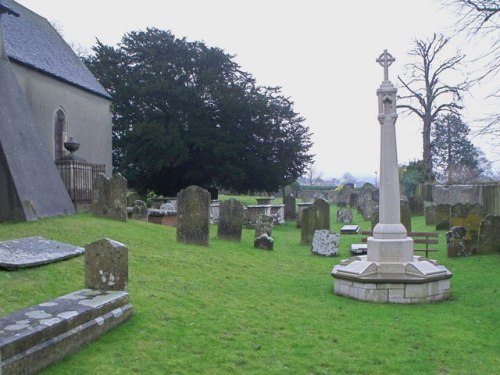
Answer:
(232, 309)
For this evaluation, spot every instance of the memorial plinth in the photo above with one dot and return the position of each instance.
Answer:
(390, 272)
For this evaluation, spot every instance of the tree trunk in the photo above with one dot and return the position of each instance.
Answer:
(427, 156)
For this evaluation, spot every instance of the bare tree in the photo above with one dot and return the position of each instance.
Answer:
(480, 20)
(426, 95)
(313, 175)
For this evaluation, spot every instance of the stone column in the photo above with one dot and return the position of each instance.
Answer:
(389, 226)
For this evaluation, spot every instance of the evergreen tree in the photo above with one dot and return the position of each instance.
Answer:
(455, 158)
(185, 114)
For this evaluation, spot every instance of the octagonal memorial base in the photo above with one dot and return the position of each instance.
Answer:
(418, 281)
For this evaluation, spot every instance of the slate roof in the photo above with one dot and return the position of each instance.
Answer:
(30, 40)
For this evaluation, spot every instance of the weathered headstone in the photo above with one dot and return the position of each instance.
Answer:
(442, 216)
(230, 222)
(264, 225)
(315, 217)
(489, 235)
(109, 197)
(193, 215)
(214, 211)
(301, 208)
(290, 209)
(344, 216)
(456, 244)
(430, 213)
(353, 200)
(140, 211)
(468, 216)
(405, 214)
(252, 212)
(325, 243)
(416, 206)
(106, 265)
(168, 207)
(264, 242)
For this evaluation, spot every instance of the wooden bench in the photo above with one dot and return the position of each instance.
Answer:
(422, 238)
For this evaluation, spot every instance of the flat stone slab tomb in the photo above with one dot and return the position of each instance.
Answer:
(33, 338)
(34, 251)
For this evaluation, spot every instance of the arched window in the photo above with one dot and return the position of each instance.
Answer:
(60, 134)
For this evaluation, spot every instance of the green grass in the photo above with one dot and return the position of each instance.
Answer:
(232, 309)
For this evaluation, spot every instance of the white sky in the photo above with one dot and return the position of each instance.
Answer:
(322, 53)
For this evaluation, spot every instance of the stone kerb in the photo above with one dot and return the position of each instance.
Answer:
(106, 265)
(230, 222)
(193, 216)
(32, 339)
(109, 197)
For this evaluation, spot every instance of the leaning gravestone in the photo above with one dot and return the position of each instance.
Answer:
(290, 209)
(140, 211)
(323, 211)
(489, 235)
(230, 222)
(106, 265)
(442, 216)
(325, 243)
(263, 225)
(109, 197)
(193, 215)
(344, 216)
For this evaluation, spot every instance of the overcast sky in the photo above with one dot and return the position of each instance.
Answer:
(322, 54)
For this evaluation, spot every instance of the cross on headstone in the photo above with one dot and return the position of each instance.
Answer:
(385, 60)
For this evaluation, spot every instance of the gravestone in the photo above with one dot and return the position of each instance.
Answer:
(468, 216)
(290, 209)
(193, 216)
(214, 211)
(140, 211)
(353, 200)
(300, 210)
(230, 222)
(349, 229)
(416, 206)
(344, 216)
(456, 244)
(489, 235)
(442, 216)
(109, 197)
(264, 225)
(252, 212)
(430, 213)
(278, 213)
(106, 265)
(325, 243)
(315, 217)
(264, 242)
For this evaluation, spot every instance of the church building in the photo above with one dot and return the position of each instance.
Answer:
(48, 97)
(66, 99)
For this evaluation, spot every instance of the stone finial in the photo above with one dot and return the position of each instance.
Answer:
(386, 60)
(106, 265)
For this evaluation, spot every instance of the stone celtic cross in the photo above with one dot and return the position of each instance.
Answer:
(385, 60)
